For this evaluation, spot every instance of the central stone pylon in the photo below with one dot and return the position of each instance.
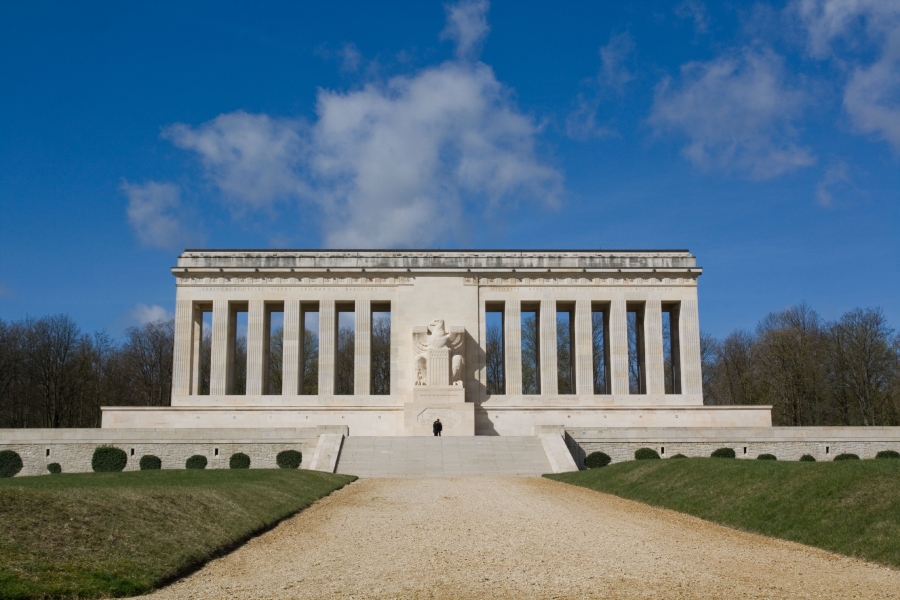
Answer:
(439, 392)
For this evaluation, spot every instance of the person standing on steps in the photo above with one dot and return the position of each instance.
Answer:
(437, 427)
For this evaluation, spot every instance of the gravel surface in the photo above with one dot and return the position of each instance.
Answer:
(518, 538)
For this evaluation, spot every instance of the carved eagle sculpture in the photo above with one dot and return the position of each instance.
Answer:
(437, 337)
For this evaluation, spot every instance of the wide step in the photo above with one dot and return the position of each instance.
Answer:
(478, 456)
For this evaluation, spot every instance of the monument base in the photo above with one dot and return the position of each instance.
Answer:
(447, 403)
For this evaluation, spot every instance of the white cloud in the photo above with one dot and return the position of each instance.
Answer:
(582, 123)
(153, 214)
(467, 26)
(350, 58)
(846, 31)
(405, 162)
(144, 314)
(613, 56)
(835, 174)
(736, 112)
(695, 10)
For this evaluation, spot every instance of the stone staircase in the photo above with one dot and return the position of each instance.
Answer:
(462, 456)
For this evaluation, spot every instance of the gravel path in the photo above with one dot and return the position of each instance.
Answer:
(518, 538)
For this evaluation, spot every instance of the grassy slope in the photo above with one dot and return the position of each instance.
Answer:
(118, 534)
(848, 507)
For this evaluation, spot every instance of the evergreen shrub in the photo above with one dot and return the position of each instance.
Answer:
(679, 455)
(150, 463)
(645, 454)
(54, 468)
(10, 463)
(239, 460)
(595, 460)
(888, 454)
(766, 457)
(197, 461)
(846, 456)
(807, 458)
(723, 453)
(109, 459)
(289, 459)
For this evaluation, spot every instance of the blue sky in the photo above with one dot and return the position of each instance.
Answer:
(764, 137)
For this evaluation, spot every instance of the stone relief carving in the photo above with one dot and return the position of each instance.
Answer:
(439, 354)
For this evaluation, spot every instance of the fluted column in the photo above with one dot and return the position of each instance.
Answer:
(255, 352)
(618, 346)
(182, 358)
(362, 357)
(512, 351)
(549, 383)
(327, 336)
(222, 350)
(290, 357)
(584, 348)
(689, 326)
(654, 363)
(196, 348)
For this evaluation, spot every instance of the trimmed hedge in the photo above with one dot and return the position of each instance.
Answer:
(150, 463)
(595, 460)
(109, 459)
(197, 461)
(807, 458)
(723, 453)
(888, 454)
(289, 459)
(10, 463)
(239, 460)
(846, 456)
(766, 457)
(54, 468)
(645, 454)
(679, 455)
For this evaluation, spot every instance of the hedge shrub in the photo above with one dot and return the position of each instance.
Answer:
(109, 459)
(807, 458)
(197, 461)
(150, 463)
(679, 455)
(766, 457)
(10, 463)
(645, 454)
(846, 456)
(239, 460)
(723, 453)
(595, 460)
(888, 454)
(289, 459)
(54, 468)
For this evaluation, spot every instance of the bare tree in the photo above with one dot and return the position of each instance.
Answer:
(493, 348)
(381, 354)
(531, 360)
(344, 361)
(147, 360)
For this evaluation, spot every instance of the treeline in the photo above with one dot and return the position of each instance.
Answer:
(812, 371)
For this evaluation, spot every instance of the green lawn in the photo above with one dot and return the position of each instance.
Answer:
(850, 507)
(117, 534)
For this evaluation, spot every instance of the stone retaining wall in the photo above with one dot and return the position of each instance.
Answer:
(73, 448)
(786, 443)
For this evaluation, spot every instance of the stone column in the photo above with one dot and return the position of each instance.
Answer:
(618, 346)
(362, 357)
(653, 353)
(197, 349)
(222, 352)
(549, 384)
(256, 319)
(689, 335)
(584, 348)
(291, 347)
(327, 340)
(512, 351)
(183, 352)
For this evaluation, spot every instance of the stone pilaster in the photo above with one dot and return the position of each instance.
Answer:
(689, 335)
(618, 346)
(291, 349)
(256, 336)
(653, 358)
(183, 352)
(549, 385)
(512, 351)
(327, 335)
(222, 350)
(362, 370)
(584, 348)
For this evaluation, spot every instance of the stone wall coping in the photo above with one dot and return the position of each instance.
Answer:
(225, 436)
(732, 434)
